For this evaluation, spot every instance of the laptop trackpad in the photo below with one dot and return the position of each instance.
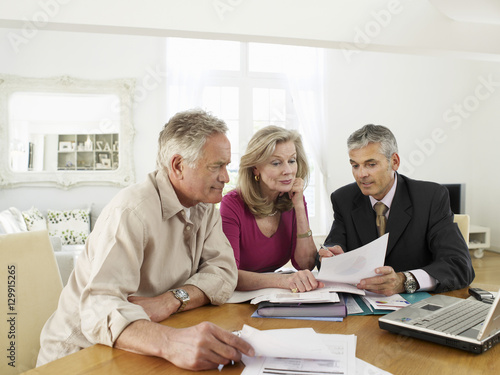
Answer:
(472, 332)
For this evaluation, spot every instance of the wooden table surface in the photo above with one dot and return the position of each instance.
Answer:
(393, 353)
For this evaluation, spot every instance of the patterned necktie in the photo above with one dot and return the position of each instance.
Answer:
(380, 209)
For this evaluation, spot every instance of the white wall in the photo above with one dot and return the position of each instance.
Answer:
(410, 93)
(91, 56)
(391, 25)
(413, 96)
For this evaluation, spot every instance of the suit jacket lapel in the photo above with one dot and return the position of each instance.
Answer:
(363, 217)
(400, 214)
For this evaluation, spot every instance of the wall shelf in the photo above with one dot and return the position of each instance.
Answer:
(88, 152)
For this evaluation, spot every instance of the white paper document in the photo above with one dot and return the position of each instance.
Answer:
(355, 265)
(314, 296)
(244, 296)
(298, 351)
(381, 302)
(326, 294)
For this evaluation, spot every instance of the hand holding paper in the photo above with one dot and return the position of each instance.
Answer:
(355, 265)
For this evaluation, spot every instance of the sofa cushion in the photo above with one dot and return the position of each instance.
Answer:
(34, 219)
(73, 226)
(12, 221)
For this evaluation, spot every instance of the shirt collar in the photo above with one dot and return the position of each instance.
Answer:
(170, 204)
(387, 200)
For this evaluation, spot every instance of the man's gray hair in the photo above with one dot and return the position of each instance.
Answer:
(373, 134)
(185, 134)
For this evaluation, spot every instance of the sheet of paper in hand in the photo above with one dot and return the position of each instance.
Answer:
(356, 264)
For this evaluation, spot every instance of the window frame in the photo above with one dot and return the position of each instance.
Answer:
(246, 81)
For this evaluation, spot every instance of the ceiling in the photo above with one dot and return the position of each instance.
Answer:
(476, 11)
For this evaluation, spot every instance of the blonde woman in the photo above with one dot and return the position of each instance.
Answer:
(265, 217)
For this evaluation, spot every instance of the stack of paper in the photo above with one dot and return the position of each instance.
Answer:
(325, 309)
(339, 274)
(302, 351)
(326, 294)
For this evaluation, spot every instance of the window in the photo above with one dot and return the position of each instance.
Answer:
(245, 84)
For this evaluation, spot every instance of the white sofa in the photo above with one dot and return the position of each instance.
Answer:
(66, 256)
(66, 242)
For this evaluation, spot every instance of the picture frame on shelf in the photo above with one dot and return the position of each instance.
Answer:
(106, 163)
(102, 157)
(65, 146)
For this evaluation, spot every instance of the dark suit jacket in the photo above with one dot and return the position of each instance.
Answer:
(421, 230)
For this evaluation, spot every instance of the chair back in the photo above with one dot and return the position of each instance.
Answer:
(463, 222)
(31, 286)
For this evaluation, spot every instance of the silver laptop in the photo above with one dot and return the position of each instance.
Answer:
(466, 324)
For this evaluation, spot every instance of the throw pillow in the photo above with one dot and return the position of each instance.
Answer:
(12, 221)
(72, 226)
(34, 219)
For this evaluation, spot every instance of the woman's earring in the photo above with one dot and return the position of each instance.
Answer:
(257, 177)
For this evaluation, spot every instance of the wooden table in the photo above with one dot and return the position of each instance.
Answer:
(391, 352)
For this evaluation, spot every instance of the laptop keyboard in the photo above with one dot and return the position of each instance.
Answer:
(457, 318)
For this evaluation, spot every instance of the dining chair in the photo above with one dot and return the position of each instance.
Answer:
(31, 286)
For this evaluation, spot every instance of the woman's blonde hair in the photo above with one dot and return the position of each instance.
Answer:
(259, 150)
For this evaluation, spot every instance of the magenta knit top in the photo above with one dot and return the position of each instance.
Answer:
(254, 251)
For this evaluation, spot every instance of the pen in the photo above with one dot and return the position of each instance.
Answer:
(236, 333)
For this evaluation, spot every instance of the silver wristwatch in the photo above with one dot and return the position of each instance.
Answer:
(182, 296)
(410, 283)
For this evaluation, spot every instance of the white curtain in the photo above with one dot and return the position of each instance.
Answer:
(186, 79)
(306, 78)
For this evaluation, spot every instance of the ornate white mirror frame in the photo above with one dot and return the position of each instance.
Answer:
(121, 174)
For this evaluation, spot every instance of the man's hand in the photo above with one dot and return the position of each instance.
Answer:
(327, 252)
(203, 347)
(302, 281)
(387, 283)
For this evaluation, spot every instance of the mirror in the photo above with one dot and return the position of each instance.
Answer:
(65, 131)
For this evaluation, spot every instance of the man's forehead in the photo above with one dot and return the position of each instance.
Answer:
(216, 148)
(366, 154)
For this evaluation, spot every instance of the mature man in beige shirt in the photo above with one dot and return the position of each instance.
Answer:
(156, 249)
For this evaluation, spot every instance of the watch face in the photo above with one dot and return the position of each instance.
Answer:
(181, 294)
(410, 283)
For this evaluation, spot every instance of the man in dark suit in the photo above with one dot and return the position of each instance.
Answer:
(426, 251)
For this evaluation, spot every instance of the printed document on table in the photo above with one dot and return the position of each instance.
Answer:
(299, 351)
(326, 294)
(355, 265)
(381, 302)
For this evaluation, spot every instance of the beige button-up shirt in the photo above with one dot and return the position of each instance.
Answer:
(142, 244)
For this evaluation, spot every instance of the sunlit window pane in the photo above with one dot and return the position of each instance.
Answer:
(234, 135)
(208, 54)
(223, 103)
(253, 75)
(269, 107)
(277, 106)
(310, 195)
(266, 57)
(261, 105)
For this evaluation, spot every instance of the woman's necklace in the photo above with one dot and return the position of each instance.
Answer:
(274, 213)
